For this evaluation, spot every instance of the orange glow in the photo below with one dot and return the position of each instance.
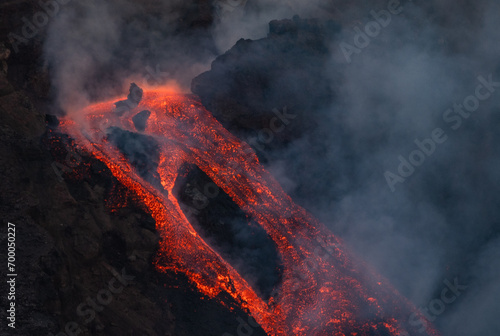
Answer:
(322, 293)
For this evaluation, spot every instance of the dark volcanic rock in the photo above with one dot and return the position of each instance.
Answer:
(253, 78)
(140, 120)
(220, 221)
(142, 152)
(133, 99)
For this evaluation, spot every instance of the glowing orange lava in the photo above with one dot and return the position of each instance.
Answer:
(324, 290)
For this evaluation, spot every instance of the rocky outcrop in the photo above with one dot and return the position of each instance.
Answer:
(70, 245)
(252, 84)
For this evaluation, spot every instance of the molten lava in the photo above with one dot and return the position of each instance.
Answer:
(324, 290)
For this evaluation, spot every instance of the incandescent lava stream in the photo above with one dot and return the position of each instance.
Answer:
(325, 289)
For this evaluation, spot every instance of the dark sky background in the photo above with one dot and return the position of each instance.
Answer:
(442, 222)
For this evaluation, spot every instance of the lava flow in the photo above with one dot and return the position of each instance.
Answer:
(324, 289)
